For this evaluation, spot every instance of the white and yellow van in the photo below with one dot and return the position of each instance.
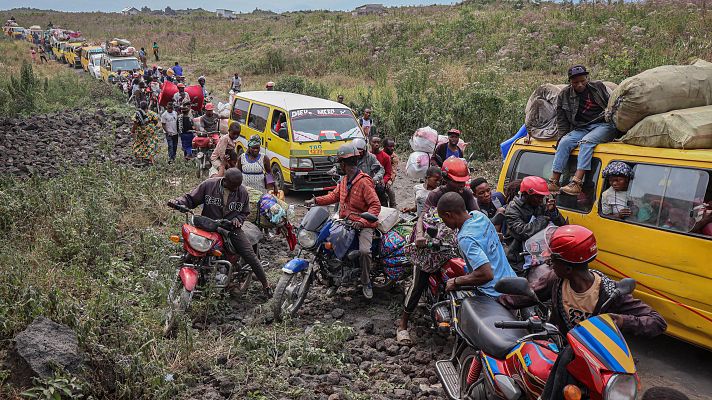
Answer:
(109, 66)
(672, 264)
(298, 133)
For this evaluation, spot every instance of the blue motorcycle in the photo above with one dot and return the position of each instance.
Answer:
(329, 253)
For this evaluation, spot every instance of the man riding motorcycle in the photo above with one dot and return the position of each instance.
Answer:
(226, 198)
(578, 293)
(355, 194)
(527, 214)
(210, 121)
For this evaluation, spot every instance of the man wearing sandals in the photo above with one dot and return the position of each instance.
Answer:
(580, 110)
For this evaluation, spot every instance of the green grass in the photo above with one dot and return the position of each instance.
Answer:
(472, 65)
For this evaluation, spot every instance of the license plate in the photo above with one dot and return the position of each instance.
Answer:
(315, 149)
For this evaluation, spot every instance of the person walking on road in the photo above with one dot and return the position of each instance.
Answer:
(186, 131)
(236, 84)
(169, 120)
(43, 54)
(145, 133)
(255, 167)
(389, 146)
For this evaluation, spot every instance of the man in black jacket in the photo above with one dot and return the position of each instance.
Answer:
(526, 215)
(580, 110)
(227, 198)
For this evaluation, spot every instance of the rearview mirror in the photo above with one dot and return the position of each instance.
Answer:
(368, 217)
(517, 286)
(626, 286)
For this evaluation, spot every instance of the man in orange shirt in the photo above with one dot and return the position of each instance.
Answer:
(355, 194)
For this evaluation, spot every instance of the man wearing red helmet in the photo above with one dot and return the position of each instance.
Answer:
(455, 176)
(578, 293)
(528, 214)
(209, 121)
(181, 97)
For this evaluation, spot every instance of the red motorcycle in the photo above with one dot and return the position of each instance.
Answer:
(203, 145)
(498, 357)
(208, 261)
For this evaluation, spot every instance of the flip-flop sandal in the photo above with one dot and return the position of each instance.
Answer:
(403, 337)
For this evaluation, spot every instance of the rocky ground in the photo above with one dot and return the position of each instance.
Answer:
(43, 144)
(370, 364)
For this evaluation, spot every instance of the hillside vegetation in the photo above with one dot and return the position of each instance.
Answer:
(471, 65)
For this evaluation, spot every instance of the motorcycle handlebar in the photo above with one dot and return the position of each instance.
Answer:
(512, 324)
(178, 207)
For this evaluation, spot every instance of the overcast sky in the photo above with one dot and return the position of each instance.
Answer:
(244, 6)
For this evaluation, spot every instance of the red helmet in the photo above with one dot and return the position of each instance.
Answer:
(534, 185)
(574, 244)
(209, 106)
(456, 169)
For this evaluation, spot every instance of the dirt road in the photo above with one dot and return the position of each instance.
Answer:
(663, 361)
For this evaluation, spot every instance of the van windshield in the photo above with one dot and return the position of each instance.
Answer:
(324, 124)
(125, 65)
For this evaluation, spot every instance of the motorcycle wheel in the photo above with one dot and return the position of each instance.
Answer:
(179, 299)
(290, 293)
(476, 391)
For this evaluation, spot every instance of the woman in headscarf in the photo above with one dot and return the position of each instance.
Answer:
(255, 167)
(145, 133)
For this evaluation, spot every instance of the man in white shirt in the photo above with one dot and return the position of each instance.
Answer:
(236, 83)
(367, 124)
(169, 121)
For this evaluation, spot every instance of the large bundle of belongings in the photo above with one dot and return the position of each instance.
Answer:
(540, 112)
(423, 143)
(119, 47)
(668, 106)
(194, 91)
(268, 210)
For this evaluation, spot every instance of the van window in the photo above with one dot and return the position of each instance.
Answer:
(279, 124)
(668, 197)
(239, 111)
(530, 163)
(258, 117)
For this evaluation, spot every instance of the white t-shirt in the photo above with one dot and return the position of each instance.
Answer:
(171, 121)
(612, 202)
(421, 195)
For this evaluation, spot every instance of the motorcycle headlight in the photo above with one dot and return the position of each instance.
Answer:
(621, 387)
(199, 243)
(307, 239)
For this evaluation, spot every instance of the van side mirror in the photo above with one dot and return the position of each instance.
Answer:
(368, 217)
(517, 286)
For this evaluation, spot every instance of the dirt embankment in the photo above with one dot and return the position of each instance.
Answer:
(44, 144)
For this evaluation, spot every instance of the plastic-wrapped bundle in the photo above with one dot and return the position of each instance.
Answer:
(417, 165)
(424, 139)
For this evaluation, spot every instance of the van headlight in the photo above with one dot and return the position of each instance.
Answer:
(621, 387)
(301, 163)
(200, 243)
(307, 239)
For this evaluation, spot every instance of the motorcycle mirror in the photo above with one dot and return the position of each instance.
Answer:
(626, 286)
(368, 217)
(432, 231)
(516, 285)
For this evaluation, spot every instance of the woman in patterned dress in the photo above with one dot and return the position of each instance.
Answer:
(255, 167)
(145, 133)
